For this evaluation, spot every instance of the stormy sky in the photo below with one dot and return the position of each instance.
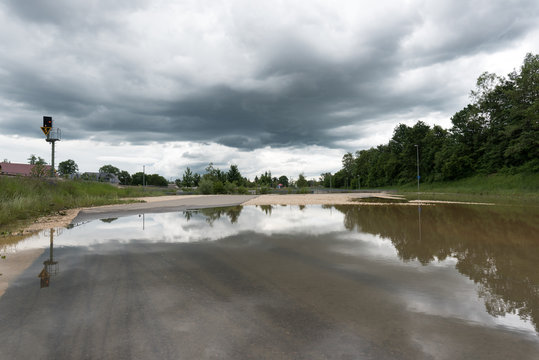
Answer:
(286, 86)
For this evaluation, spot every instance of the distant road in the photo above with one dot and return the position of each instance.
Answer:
(162, 204)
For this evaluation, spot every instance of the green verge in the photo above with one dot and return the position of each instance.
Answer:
(517, 189)
(24, 199)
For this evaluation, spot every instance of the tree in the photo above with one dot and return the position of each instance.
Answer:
(283, 180)
(188, 179)
(156, 180)
(348, 164)
(325, 179)
(33, 160)
(137, 178)
(233, 175)
(109, 169)
(196, 179)
(302, 182)
(265, 179)
(124, 177)
(67, 167)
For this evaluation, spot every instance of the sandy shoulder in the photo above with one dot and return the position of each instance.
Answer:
(343, 199)
(155, 199)
(52, 221)
(317, 199)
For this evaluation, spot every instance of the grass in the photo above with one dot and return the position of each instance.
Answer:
(497, 188)
(23, 199)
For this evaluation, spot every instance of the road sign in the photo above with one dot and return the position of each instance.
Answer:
(46, 130)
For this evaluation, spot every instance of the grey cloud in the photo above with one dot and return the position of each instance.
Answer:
(72, 15)
(301, 111)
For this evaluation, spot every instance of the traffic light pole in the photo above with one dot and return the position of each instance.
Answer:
(53, 135)
(52, 158)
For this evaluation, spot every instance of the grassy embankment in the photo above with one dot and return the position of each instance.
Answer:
(497, 188)
(25, 199)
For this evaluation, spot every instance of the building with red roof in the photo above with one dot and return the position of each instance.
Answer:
(14, 169)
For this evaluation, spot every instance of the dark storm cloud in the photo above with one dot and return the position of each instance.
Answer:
(303, 90)
(72, 15)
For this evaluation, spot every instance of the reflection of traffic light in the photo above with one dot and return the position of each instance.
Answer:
(47, 121)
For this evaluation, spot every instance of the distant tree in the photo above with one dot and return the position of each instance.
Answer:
(233, 175)
(302, 182)
(137, 178)
(325, 179)
(196, 179)
(211, 173)
(265, 179)
(109, 169)
(283, 180)
(124, 177)
(348, 164)
(88, 177)
(156, 180)
(188, 179)
(67, 167)
(33, 160)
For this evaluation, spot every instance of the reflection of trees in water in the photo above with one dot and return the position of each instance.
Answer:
(266, 208)
(497, 248)
(188, 214)
(212, 214)
(108, 220)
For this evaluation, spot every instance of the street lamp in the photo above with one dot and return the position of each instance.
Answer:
(143, 177)
(417, 151)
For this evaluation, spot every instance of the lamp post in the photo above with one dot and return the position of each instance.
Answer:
(417, 151)
(143, 177)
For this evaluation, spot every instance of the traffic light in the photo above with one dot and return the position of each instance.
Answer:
(47, 121)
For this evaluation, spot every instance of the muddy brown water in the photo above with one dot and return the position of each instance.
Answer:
(281, 282)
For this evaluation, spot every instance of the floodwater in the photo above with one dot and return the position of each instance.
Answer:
(281, 282)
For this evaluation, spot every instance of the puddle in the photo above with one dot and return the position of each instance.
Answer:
(273, 281)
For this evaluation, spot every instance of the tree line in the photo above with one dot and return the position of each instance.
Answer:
(217, 181)
(213, 181)
(497, 132)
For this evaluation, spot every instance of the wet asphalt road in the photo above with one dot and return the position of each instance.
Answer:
(245, 297)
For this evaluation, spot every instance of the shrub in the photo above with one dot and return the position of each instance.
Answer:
(205, 186)
(230, 188)
(242, 190)
(218, 187)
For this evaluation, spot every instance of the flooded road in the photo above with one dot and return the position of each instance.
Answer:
(281, 282)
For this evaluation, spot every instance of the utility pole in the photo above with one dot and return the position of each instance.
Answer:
(417, 151)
